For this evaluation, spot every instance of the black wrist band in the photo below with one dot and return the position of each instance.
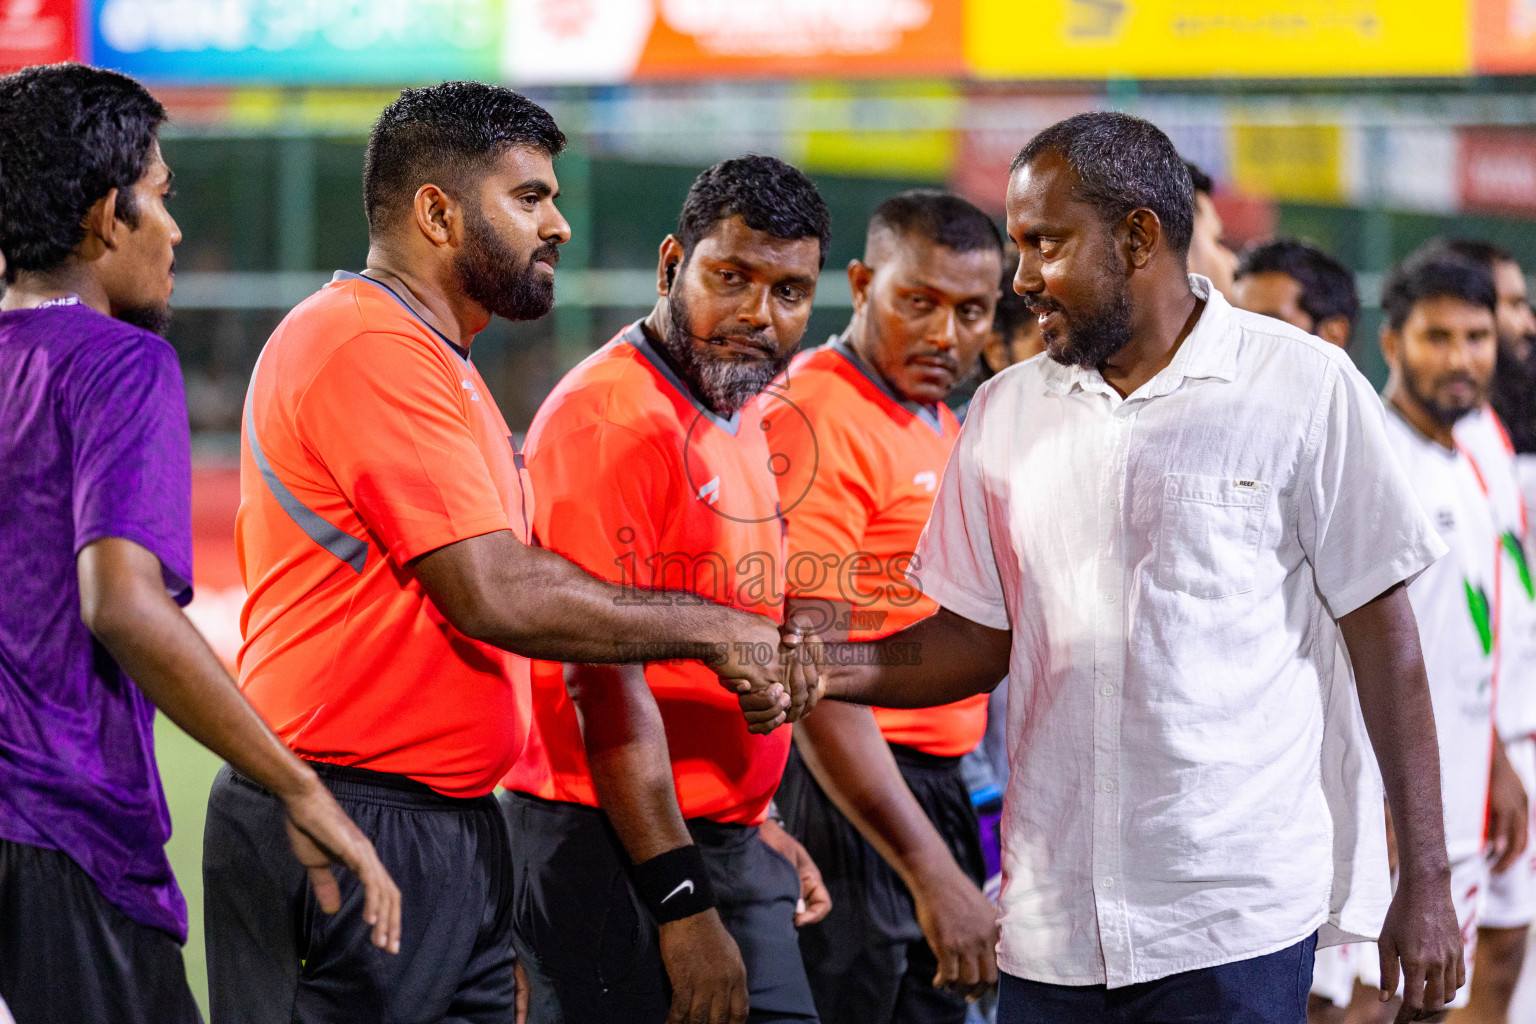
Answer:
(675, 885)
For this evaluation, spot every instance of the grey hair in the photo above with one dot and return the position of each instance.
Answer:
(1122, 163)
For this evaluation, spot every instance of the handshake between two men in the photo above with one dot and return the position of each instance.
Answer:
(774, 672)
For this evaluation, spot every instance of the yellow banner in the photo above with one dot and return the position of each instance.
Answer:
(1216, 38)
(856, 134)
(1304, 163)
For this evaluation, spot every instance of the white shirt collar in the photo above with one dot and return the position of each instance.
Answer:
(1208, 352)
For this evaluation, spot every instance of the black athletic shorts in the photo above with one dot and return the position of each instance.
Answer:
(589, 945)
(867, 961)
(68, 954)
(274, 956)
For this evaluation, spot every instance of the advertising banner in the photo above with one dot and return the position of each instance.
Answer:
(1304, 163)
(38, 32)
(1496, 171)
(1504, 37)
(552, 41)
(298, 41)
(1216, 38)
(894, 130)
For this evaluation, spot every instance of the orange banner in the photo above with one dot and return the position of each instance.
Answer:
(624, 40)
(1504, 36)
(694, 38)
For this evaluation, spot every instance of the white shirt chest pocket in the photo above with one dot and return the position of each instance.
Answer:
(1209, 534)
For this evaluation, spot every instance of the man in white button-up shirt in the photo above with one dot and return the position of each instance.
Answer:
(1156, 530)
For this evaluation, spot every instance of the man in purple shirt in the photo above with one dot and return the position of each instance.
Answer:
(95, 537)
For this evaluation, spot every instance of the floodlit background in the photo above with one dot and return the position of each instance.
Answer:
(1366, 126)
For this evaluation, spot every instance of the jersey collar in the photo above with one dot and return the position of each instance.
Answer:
(347, 275)
(929, 414)
(634, 335)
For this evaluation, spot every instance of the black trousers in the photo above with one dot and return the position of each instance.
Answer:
(590, 947)
(67, 954)
(274, 957)
(867, 960)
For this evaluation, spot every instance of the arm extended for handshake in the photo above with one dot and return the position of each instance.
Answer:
(500, 591)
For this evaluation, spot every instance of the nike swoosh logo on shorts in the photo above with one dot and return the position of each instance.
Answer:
(687, 883)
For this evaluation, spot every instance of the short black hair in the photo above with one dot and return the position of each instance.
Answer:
(446, 135)
(938, 216)
(1201, 181)
(1122, 163)
(1432, 273)
(1327, 287)
(766, 193)
(1477, 250)
(69, 134)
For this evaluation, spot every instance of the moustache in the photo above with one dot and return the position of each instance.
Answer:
(1457, 378)
(753, 339)
(1040, 305)
(945, 359)
(549, 252)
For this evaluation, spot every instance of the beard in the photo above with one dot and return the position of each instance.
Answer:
(1089, 338)
(155, 319)
(722, 382)
(1444, 413)
(492, 274)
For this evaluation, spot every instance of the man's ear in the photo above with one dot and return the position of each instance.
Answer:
(1335, 331)
(1391, 344)
(1143, 238)
(669, 264)
(860, 274)
(103, 231)
(438, 216)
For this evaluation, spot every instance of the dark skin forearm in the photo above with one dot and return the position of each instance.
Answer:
(845, 751)
(1383, 641)
(535, 603)
(939, 660)
(124, 604)
(1420, 938)
(631, 767)
(500, 591)
(627, 755)
(850, 759)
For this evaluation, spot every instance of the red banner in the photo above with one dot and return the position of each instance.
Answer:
(38, 32)
(1496, 171)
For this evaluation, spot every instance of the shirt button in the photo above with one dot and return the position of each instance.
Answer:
(1108, 691)
(1109, 598)
(1114, 503)
(1108, 785)
(1107, 882)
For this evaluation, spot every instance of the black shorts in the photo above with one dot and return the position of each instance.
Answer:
(274, 956)
(589, 945)
(68, 954)
(867, 960)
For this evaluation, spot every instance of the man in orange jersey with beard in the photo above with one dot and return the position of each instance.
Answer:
(651, 886)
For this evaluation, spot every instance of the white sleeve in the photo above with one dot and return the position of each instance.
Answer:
(1358, 519)
(955, 564)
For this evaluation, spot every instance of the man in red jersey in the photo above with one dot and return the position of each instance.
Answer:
(652, 888)
(383, 537)
(878, 799)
